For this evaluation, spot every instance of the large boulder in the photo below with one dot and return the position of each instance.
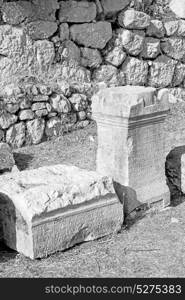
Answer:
(77, 12)
(94, 35)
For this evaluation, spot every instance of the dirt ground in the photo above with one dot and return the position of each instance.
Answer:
(151, 247)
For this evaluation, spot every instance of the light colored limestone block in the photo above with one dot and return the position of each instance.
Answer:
(136, 132)
(53, 208)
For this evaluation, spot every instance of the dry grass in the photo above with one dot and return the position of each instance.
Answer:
(152, 247)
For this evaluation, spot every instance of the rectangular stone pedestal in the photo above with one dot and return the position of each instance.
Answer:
(53, 208)
(133, 140)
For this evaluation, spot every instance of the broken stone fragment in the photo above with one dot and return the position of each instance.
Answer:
(54, 208)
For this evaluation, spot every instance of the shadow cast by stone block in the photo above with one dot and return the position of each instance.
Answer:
(128, 198)
(22, 160)
(7, 227)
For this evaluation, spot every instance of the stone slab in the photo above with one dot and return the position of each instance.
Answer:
(53, 208)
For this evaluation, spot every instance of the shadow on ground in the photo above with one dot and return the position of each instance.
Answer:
(22, 160)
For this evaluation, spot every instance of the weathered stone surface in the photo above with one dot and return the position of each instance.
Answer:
(53, 208)
(6, 158)
(77, 12)
(7, 119)
(171, 27)
(130, 122)
(112, 7)
(13, 41)
(25, 103)
(54, 127)
(11, 106)
(40, 30)
(44, 54)
(15, 13)
(60, 103)
(161, 72)
(90, 57)
(156, 29)
(26, 114)
(92, 35)
(69, 51)
(133, 19)
(79, 102)
(41, 113)
(64, 31)
(35, 131)
(151, 48)
(179, 74)
(15, 135)
(181, 28)
(132, 41)
(44, 89)
(116, 56)
(81, 115)
(135, 70)
(106, 73)
(38, 105)
(174, 47)
(178, 7)
(41, 98)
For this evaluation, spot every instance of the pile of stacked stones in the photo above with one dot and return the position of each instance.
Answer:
(82, 44)
(37, 112)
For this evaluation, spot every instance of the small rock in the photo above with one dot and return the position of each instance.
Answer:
(79, 102)
(15, 135)
(35, 131)
(26, 114)
(60, 103)
(133, 19)
(6, 158)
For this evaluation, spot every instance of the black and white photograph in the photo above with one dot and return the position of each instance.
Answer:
(92, 146)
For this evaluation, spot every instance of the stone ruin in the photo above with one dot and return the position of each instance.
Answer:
(53, 208)
(53, 62)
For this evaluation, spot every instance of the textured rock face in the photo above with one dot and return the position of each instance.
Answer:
(133, 19)
(6, 158)
(73, 47)
(35, 131)
(60, 206)
(135, 71)
(112, 7)
(92, 35)
(16, 135)
(161, 72)
(77, 12)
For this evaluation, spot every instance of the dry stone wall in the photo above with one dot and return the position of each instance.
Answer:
(55, 54)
